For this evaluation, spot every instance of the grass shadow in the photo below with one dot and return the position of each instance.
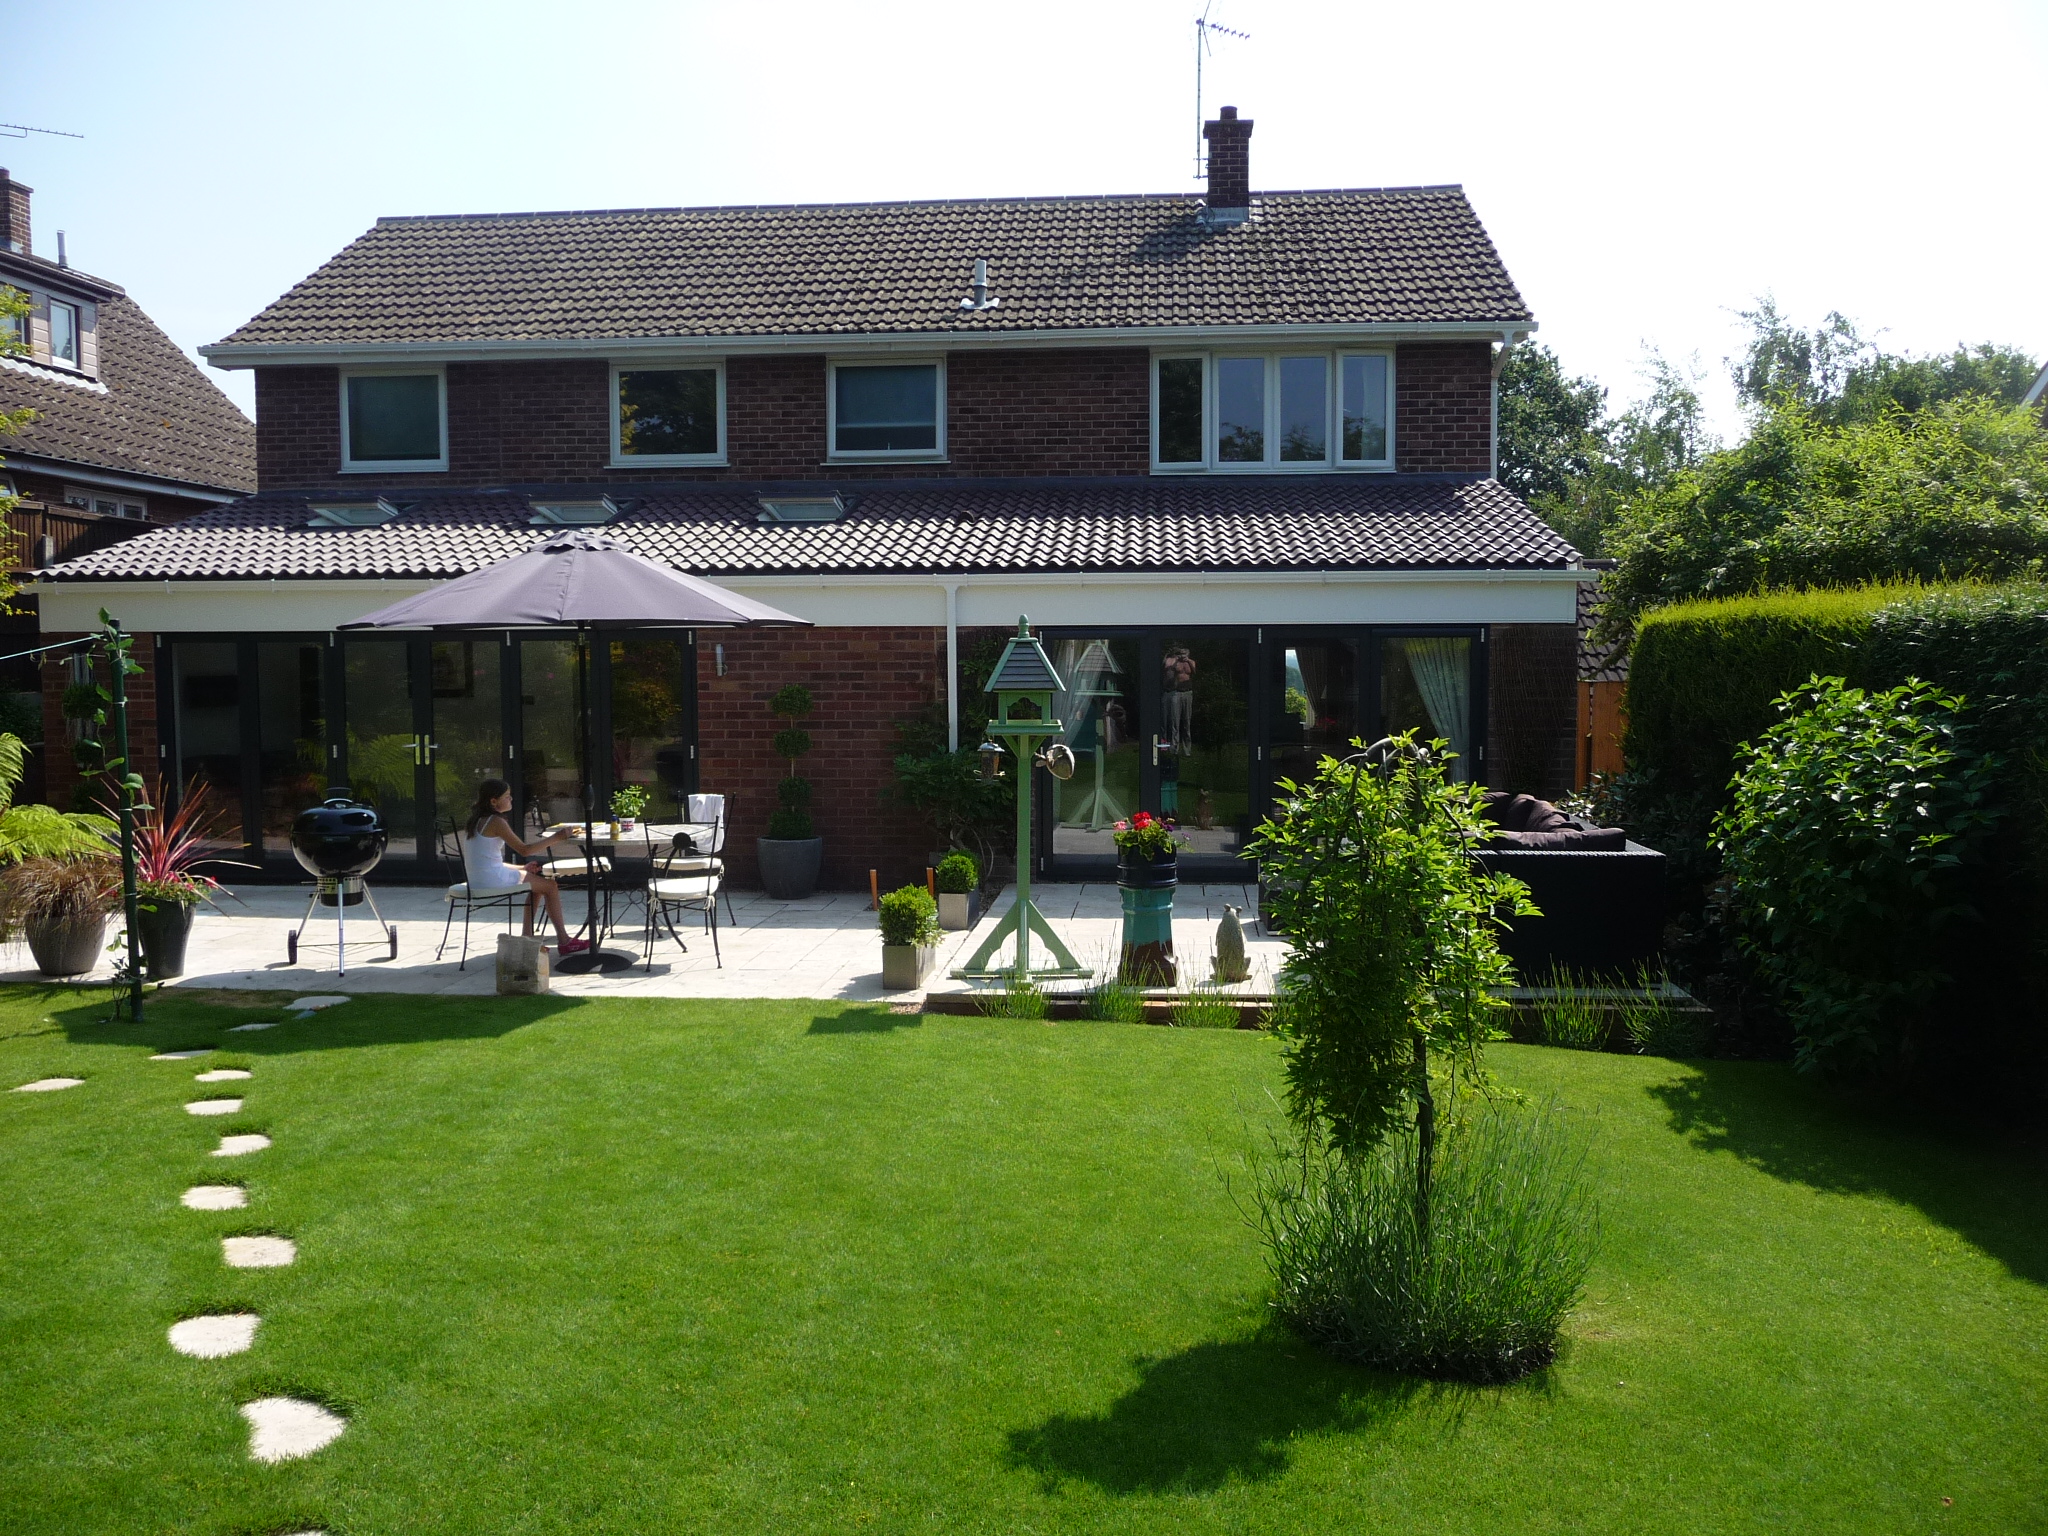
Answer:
(863, 1021)
(1210, 1415)
(1986, 1183)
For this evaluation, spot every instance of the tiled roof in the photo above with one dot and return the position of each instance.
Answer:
(1404, 255)
(149, 412)
(1600, 660)
(1326, 522)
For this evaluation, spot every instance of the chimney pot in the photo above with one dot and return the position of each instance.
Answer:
(14, 214)
(1230, 173)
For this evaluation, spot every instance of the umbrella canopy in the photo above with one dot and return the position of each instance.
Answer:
(571, 579)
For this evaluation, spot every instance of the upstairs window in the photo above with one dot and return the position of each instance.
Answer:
(889, 410)
(394, 422)
(63, 333)
(668, 415)
(1276, 411)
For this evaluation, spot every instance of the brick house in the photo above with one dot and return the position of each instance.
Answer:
(127, 435)
(1233, 455)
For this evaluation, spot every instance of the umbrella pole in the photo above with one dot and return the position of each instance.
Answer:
(589, 799)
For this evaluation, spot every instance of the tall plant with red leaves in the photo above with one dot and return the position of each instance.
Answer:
(170, 849)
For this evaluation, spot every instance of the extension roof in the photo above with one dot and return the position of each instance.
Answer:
(1387, 256)
(149, 412)
(1276, 523)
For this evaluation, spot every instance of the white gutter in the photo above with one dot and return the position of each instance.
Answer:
(83, 474)
(1500, 361)
(255, 354)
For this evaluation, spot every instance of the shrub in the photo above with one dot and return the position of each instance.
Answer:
(1853, 825)
(1479, 1292)
(958, 874)
(1114, 1001)
(909, 916)
(1015, 1000)
(54, 891)
(790, 821)
(1205, 1007)
(1574, 1021)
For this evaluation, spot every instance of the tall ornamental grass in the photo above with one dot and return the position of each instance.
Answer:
(1480, 1294)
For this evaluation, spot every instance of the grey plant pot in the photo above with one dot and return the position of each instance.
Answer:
(164, 925)
(905, 966)
(68, 949)
(959, 910)
(789, 866)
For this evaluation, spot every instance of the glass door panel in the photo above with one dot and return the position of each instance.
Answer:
(468, 733)
(382, 734)
(209, 702)
(650, 721)
(1313, 685)
(291, 736)
(1098, 714)
(548, 712)
(1426, 687)
(1203, 746)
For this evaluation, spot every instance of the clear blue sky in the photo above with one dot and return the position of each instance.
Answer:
(1646, 169)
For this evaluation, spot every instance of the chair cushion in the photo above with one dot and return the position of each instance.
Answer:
(688, 888)
(692, 866)
(573, 869)
(461, 892)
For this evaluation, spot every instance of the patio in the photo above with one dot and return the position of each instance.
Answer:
(824, 947)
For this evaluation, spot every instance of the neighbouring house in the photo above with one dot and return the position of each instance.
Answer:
(1233, 454)
(2038, 388)
(128, 434)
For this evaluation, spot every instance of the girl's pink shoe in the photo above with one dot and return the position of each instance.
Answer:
(573, 946)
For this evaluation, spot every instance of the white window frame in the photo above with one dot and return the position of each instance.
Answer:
(624, 460)
(354, 466)
(932, 455)
(76, 363)
(1272, 464)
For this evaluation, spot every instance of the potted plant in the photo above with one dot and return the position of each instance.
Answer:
(62, 905)
(910, 938)
(959, 882)
(791, 853)
(628, 802)
(1147, 870)
(168, 884)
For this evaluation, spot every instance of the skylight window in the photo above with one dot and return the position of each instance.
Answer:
(802, 509)
(573, 514)
(351, 514)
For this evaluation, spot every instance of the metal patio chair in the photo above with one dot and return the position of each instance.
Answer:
(448, 844)
(682, 881)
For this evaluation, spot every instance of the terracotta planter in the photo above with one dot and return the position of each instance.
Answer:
(959, 910)
(905, 966)
(68, 949)
(789, 866)
(163, 925)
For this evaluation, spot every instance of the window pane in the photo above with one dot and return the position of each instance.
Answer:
(1098, 715)
(379, 736)
(1180, 411)
(669, 411)
(469, 712)
(1241, 410)
(292, 735)
(64, 333)
(1426, 687)
(210, 734)
(394, 417)
(549, 714)
(1365, 409)
(887, 409)
(1304, 410)
(649, 747)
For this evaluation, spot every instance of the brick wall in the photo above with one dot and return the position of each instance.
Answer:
(1084, 412)
(1531, 708)
(862, 682)
(60, 776)
(1443, 408)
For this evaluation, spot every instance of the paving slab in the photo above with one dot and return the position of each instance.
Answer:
(214, 1107)
(182, 1055)
(258, 1252)
(214, 1197)
(213, 1338)
(286, 1428)
(240, 1146)
(50, 1084)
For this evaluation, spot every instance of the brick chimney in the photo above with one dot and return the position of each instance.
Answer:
(14, 214)
(1230, 166)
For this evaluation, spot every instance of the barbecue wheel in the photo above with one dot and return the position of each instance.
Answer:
(392, 930)
(291, 949)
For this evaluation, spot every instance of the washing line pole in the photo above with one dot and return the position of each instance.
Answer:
(117, 649)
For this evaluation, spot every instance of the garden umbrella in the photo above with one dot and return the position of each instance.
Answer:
(577, 580)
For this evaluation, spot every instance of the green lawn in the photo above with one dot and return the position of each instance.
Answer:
(650, 1267)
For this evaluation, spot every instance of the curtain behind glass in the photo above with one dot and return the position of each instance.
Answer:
(1442, 671)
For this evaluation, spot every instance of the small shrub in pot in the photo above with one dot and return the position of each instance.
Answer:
(792, 852)
(910, 930)
(959, 882)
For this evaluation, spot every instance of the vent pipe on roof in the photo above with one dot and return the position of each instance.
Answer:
(1230, 167)
(14, 214)
(62, 259)
(979, 298)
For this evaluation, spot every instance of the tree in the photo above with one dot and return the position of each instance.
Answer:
(1550, 425)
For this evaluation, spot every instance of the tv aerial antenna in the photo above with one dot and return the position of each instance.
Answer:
(1204, 30)
(23, 130)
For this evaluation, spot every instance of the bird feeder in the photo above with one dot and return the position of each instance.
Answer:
(1023, 684)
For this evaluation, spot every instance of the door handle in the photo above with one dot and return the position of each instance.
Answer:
(428, 747)
(1156, 745)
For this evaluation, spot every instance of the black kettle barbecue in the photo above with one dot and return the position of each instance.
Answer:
(338, 842)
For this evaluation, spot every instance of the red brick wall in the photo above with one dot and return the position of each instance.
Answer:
(1084, 412)
(862, 682)
(60, 777)
(1532, 708)
(1443, 408)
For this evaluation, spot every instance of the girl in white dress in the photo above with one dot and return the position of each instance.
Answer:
(483, 860)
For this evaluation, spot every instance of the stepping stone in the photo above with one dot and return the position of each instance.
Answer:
(223, 1075)
(213, 1107)
(258, 1252)
(310, 1004)
(210, 1338)
(237, 1146)
(181, 1055)
(49, 1084)
(214, 1197)
(285, 1428)
(243, 1029)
